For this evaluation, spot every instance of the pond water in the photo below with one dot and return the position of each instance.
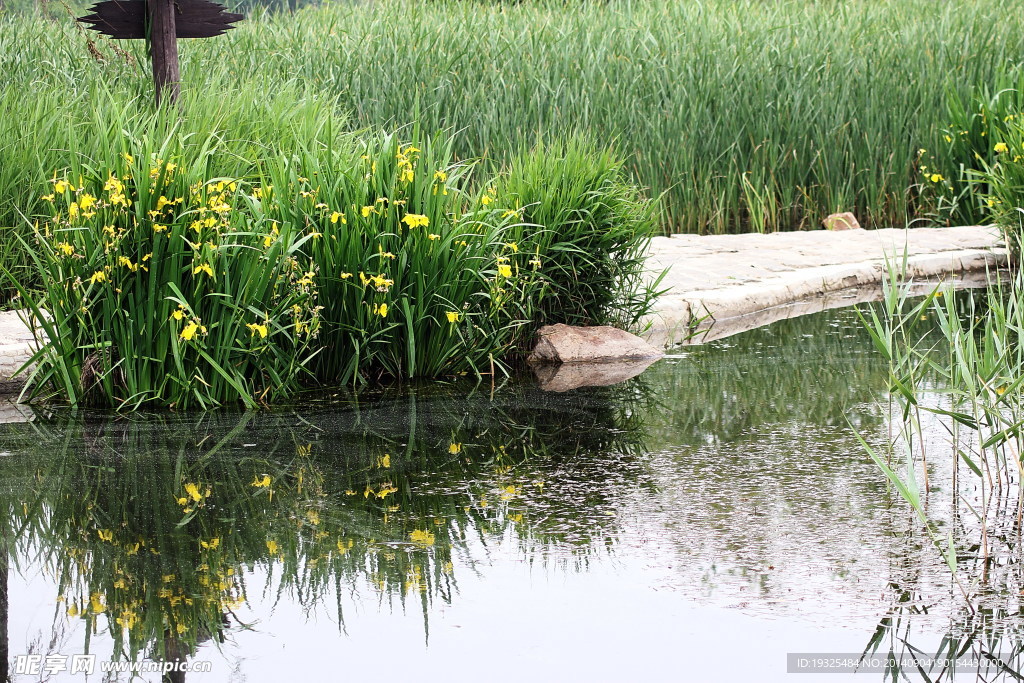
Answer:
(700, 522)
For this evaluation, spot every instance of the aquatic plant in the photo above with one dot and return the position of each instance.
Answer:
(341, 259)
(739, 111)
(956, 367)
(974, 162)
(414, 280)
(163, 285)
(1000, 181)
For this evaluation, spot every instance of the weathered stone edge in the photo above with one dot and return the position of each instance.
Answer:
(676, 313)
(12, 357)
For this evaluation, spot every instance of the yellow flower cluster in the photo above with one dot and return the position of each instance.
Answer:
(406, 163)
(415, 220)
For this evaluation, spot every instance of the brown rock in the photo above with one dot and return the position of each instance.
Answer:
(567, 344)
(842, 221)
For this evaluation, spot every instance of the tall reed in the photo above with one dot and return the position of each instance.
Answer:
(748, 115)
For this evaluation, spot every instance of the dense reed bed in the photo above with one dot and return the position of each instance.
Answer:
(748, 115)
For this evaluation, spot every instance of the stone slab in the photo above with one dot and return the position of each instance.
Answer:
(726, 280)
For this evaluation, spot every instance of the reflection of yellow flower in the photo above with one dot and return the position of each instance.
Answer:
(211, 545)
(423, 538)
(261, 483)
(105, 534)
(127, 619)
(272, 547)
(193, 491)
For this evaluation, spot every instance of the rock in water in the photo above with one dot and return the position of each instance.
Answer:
(566, 344)
(841, 221)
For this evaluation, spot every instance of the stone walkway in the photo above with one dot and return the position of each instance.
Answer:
(15, 348)
(722, 284)
(727, 283)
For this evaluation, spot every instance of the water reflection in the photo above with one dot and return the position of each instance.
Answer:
(813, 370)
(719, 497)
(151, 525)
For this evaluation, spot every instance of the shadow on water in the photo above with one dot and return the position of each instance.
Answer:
(153, 526)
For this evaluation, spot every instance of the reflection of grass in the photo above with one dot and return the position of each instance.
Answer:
(152, 524)
(813, 369)
(980, 636)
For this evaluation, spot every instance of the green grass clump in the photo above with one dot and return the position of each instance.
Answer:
(409, 270)
(575, 207)
(996, 178)
(955, 178)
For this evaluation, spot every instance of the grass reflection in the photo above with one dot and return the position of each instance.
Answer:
(154, 527)
(814, 369)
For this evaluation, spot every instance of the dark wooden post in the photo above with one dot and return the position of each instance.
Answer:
(163, 22)
(163, 37)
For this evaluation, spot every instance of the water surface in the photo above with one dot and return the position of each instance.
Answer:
(696, 523)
